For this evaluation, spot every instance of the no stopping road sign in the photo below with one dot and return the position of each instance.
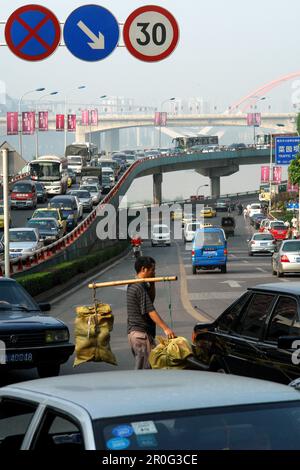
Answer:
(151, 33)
(32, 32)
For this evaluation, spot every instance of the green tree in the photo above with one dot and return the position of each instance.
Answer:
(294, 167)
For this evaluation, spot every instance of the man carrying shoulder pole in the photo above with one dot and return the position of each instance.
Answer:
(142, 317)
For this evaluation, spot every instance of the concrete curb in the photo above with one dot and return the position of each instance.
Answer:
(51, 294)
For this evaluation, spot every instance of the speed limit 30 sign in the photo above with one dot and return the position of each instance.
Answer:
(151, 33)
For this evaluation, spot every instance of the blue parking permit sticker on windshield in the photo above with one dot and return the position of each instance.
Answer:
(118, 443)
(124, 430)
(147, 441)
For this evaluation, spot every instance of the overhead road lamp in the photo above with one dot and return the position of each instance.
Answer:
(37, 126)
(161, 109)
(20, 116)
(80, 87)
(201, 186)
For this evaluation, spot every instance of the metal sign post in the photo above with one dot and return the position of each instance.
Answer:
(6, 212)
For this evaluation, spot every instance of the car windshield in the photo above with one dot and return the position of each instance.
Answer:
(161, 229)
(45, 214)
(278, 227)
(209, 238)
(255, 206)
(22, 188)
(291, 246)
(83, 194)
(232, 428)
(91, 189)
(263, 236)
(12, 293)
(22, 236)
(193, 227)
(42, 224)
(61, 204)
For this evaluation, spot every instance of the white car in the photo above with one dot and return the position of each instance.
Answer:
(23, 242)
(180, 410)
(160, 235)
(254, 209)
(190, 230)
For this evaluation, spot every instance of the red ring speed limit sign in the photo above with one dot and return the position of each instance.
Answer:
(151, 33)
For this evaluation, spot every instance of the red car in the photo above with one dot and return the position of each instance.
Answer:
(279, 232)
(23, 194)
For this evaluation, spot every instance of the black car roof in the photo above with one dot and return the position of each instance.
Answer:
(279, 288)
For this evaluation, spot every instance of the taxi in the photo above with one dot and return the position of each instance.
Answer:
(69, 181)
(208, 212)
(2, 218)
(51, 212)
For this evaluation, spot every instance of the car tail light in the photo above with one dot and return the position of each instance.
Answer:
(284, 259)
(274, 242)
(193, 252)
(226, 252)
(194, 337)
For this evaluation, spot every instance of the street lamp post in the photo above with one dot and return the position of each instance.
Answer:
(161, 108)
(20, 117)
(201, 186)
(37, 121)
(81, 87)
(254, 133)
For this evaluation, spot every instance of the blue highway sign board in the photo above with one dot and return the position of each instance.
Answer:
(32, 32)
(91, 33)
(286, 149)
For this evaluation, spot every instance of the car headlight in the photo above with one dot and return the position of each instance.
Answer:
(56, 336)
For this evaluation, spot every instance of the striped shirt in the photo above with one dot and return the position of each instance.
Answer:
(139, 305)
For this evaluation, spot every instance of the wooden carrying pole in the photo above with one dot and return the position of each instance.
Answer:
(95, 285)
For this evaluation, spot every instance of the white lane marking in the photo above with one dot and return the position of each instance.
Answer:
(215, 295)
(262, 270)
(232, 284)
(246, 262)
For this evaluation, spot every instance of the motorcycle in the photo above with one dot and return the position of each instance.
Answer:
(137, 252)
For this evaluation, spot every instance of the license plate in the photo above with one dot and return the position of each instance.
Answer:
(19, 357)
(210, 254)
(263, 244)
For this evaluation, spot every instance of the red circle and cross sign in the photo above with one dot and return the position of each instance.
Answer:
(32, 32)
(151, 33)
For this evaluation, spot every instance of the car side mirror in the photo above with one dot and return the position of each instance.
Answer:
(287, 342)
(203, 327)
(44, 307)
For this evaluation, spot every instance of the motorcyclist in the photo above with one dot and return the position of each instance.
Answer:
(136, 243)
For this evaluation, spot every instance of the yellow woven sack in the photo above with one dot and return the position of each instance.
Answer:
(170, 353)
(93, 324)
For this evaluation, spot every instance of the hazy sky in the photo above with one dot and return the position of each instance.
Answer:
(226, 49)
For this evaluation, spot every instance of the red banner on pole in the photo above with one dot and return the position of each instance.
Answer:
(60, 122)
(85, 117)
(94, 117)
(71, 122)
(12, 123)
(43, 121)
(265, 174)
(28, 123)
(277, 174)
(254, 119)
(160, 119)
(157, 119)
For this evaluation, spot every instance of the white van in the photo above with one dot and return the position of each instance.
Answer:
(76, 163)
(190, 230)
(107, 171)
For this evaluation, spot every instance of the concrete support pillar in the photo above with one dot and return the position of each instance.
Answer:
(112, 140)
(157, 188)
(80, 135)
(215, 186)
(138, 136)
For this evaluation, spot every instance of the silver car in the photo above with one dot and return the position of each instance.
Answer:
(84, 198)
(287, 258)
(23, 242)
(261, 243)
(94, 191)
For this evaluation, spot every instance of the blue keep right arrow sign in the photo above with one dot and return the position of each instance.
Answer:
(91, 33)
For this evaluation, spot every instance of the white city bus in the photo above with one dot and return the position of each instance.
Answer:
(51, 170)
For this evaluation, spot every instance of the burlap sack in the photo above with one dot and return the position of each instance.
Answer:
(92, 334)
(170, 353)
